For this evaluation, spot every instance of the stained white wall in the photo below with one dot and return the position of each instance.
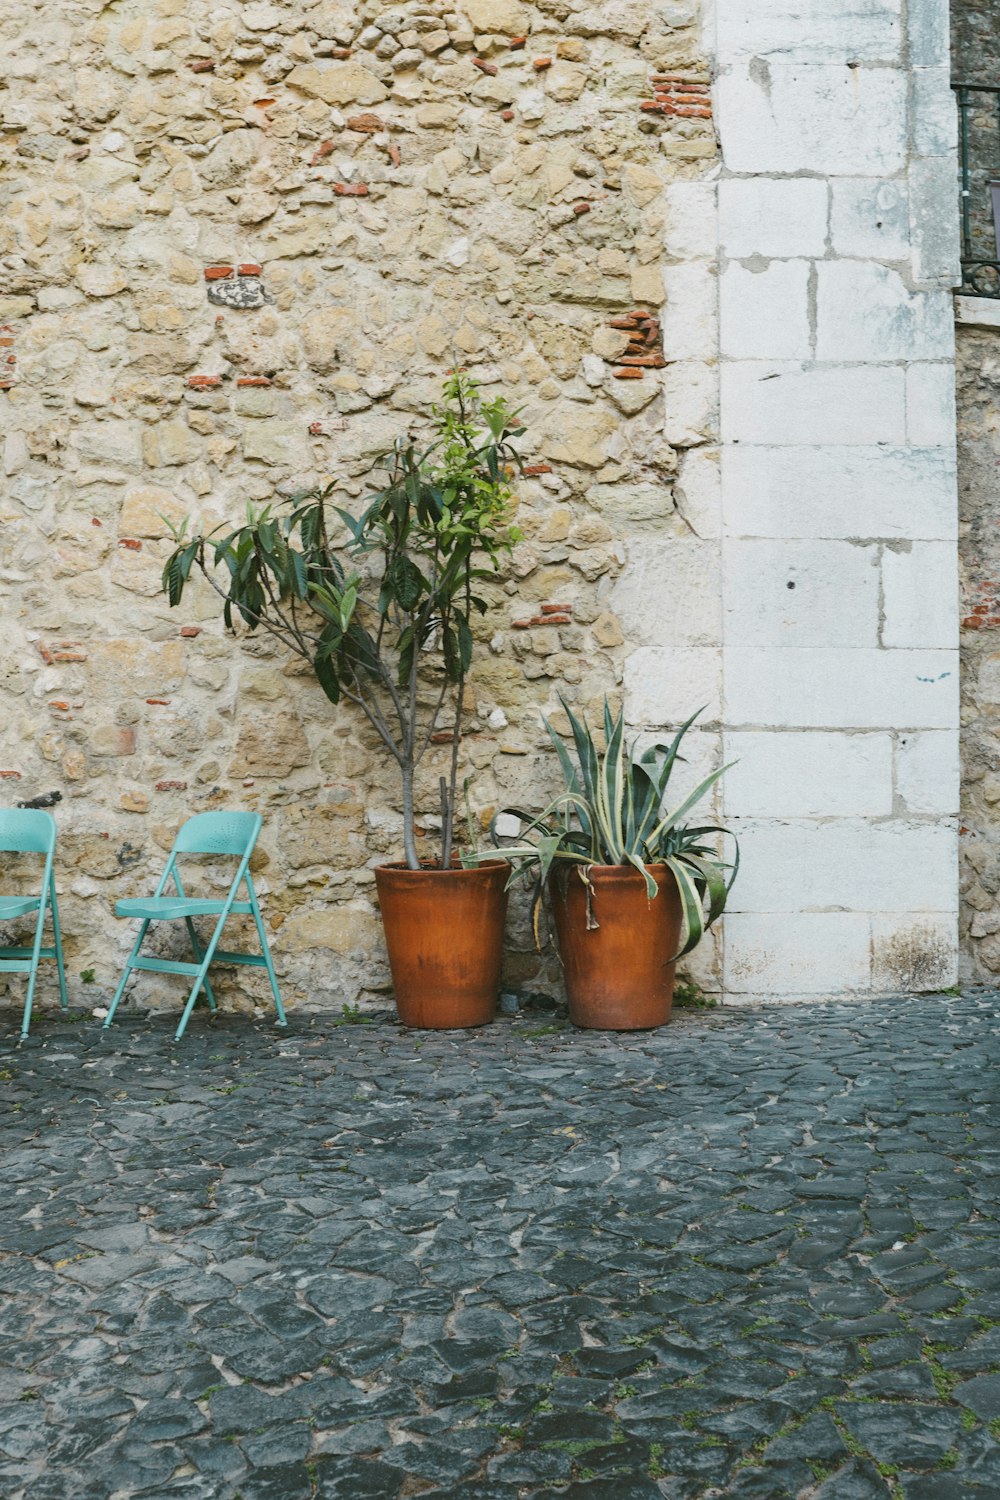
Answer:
(837, 225)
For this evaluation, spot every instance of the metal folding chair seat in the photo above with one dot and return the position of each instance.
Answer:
(29, 831)
(232, 834)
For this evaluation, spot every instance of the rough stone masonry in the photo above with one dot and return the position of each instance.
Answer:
(240, 245)
(976, 59)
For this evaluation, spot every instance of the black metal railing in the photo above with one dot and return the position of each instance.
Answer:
(979, 160)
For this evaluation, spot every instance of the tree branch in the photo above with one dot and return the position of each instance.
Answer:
(282, 635)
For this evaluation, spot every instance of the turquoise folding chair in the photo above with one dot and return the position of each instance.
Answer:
(26, 831)
(218, 833)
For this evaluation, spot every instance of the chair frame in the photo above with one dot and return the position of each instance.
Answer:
(185, 908)
(37, 836)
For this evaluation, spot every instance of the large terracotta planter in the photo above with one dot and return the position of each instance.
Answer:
(444, 933)
(620, 974)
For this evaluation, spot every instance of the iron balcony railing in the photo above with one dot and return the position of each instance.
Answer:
(979, 152)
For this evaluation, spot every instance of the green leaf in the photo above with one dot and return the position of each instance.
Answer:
(631, 858)
(327, 675)
(692, 918)
(299, 580)
(464, 642)
(354, 526)
(712, 875)
(614, 784)
(586, 753)
(449, 647)
(672, 754)
(178, 570)
(568, 769)
(646, 801)
(173, 579)
(405, 582)
(360, 649)
(673, 818)
(406, 649)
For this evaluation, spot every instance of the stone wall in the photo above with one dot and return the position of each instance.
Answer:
(975, 41)
(975, 36)
(239, 245)
(975, 51)
(978, 460)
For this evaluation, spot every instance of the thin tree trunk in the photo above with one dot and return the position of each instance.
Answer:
(409, 836)
(445, 824)
(453, 783)
(409, 764)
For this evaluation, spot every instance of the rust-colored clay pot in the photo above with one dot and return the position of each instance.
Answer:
(620, 974)
(444, 932)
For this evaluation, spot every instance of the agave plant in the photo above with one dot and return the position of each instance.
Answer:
(614, 812)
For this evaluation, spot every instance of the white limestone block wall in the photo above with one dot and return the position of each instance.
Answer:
(837, 232)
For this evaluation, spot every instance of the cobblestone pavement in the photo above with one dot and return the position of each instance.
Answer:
(753, 1255)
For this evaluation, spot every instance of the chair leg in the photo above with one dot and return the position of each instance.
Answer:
(200, 979)
(60, 966)
(262, 935)
(202, 975)
(199, 955)
(119, 992)
(26, 1017)
(33, 972)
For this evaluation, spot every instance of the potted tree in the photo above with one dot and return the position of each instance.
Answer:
(633, 887)
(381, 606)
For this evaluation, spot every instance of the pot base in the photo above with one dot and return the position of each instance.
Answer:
(620, 974)
(444, 933)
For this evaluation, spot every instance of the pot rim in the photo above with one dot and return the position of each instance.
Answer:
(400, 867)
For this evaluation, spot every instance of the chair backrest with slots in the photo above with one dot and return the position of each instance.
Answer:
(232, 833)
(25, 830)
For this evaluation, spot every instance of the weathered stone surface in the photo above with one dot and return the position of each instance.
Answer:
(242, 247)
(338, 83)
(381, 1265)
(276, 442)
(980, 564)
(170, 443)
(327, 336)
(140, 666)
(270, 746)
(227, 163)
(504, 16)
(109, 442)
(580, 435)
(100, 280)
(346, 930)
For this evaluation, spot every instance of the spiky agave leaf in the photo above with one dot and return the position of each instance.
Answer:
(632, 858)
(586, 752)
(673, 818)
(611, 784)
(692, 914)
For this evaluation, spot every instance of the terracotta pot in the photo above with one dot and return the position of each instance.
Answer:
(620, 974)
(444, 932)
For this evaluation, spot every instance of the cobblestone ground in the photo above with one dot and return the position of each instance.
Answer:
(753, 1255)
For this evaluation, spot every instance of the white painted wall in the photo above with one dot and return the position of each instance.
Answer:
(838, 244)
(834, 515)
